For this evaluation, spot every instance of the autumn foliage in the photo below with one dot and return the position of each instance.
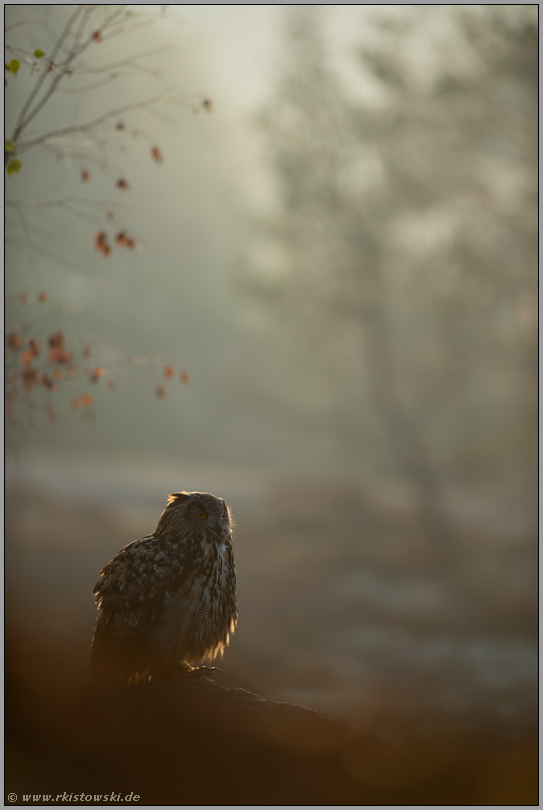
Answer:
(38, 365)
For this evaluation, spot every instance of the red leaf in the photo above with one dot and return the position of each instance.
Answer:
(57, 339)
(30, 378)
(14, 341)
(47, 382)
(156, 154)
(60, 355)
(97, 36)
(85, 175)
(96, 374)
(100, 239)
(122, 184)
(121, 238)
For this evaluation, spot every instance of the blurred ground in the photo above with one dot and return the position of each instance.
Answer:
(343, 607)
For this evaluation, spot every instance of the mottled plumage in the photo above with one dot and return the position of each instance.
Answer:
(168, 600)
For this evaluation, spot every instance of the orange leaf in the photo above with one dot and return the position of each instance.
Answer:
(101, 243)
(160, 391)
(86, 399)
(122, 184)
(121, 238)
(47, 382)
(156, 154)
(169, 371)
(185, 377)
(42, 297)
(85, 175)
(131, 243)
(14, 341)
(59, 355)
(27, 357)
(57, 339)
(34, 346)
(96, 373)
(97, 36)
(30, 378)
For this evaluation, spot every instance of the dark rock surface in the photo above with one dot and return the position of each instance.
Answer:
(194, 741)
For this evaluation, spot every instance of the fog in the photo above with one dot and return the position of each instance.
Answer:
(339, 254)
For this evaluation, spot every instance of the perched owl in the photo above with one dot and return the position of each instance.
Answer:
(168, 600)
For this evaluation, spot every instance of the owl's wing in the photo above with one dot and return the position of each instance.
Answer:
(130, 594)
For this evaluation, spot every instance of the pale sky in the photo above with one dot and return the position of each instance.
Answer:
(241, 44)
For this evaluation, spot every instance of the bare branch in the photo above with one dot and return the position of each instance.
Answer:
(89, 87)
(39, 83)
(139, 105)
(27, 114)
(66, 152)
(43, 26)
(130, 61)
(47, 254)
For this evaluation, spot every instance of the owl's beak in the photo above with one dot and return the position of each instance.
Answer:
(217, 527)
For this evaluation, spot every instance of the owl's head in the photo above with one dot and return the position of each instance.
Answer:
(198, 510)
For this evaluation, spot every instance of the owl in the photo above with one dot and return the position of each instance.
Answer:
(168, 600)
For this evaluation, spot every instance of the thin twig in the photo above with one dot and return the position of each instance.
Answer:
(139, 105)
(47, 254)
(37, 87)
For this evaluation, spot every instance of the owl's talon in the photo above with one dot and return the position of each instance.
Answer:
(202, 672)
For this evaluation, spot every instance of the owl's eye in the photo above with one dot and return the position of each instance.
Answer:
(201, 514)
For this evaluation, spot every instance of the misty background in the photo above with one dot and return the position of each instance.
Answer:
(342, 254)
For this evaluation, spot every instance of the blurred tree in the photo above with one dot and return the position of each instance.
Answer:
(402, 247)
(63, 71)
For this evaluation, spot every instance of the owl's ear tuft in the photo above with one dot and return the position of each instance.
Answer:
(178, 497)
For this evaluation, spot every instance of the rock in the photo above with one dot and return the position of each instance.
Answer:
(194, 741)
